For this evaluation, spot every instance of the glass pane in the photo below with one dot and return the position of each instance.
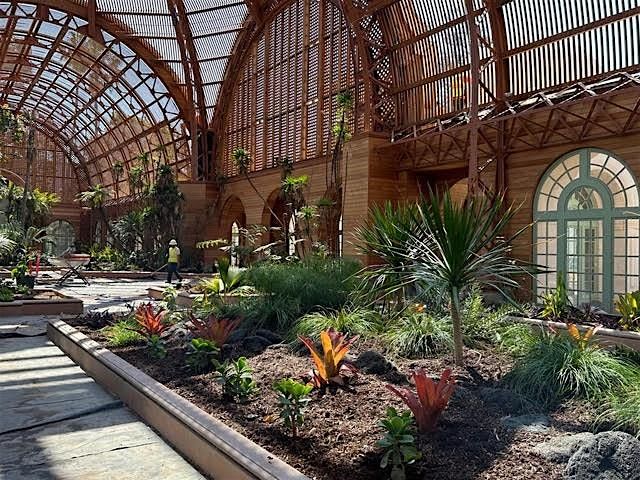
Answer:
(584, 198)
(584, 262)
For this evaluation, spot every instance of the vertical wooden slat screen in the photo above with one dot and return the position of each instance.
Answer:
(286, 102)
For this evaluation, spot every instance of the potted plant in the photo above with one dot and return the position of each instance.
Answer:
(21, 274)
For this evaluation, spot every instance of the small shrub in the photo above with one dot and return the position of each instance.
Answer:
(156, 347)
(398, 443)
(629, 307)
(565, 365)
(122, 333)
(556, 302)
(236, 379)
(417, 334)
(292, 290)
(621, 410)
(353, 321)
(484, 326)
(331, 363)
(6, 294)
(293, 398)
(170, 299)
(431, 399)
(201, 354)
(213, 328)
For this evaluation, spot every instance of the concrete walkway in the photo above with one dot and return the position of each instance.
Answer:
(58, 424)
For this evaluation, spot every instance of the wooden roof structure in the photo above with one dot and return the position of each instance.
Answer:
(116, 82)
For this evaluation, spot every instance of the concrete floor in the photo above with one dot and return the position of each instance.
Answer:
(57, 423)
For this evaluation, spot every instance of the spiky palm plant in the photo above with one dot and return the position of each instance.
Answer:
(452, 246)
(95, 197)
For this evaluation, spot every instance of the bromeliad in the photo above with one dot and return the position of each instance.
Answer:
(150, 322)
(582, 340)
(331, 363)
(213, 329)
(431, 398)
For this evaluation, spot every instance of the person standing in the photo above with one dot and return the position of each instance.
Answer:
(174, 260)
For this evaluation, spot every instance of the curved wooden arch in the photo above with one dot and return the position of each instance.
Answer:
(13, 177)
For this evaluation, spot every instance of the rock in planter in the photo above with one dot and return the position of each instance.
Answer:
(606, 456)
(560, 449)
(505, 400)
(269, 335)
(375, 363)
(527, 423)
(255, 344)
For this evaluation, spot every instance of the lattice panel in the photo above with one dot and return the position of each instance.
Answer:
(284, 103)
(51, 171)
(553, 44)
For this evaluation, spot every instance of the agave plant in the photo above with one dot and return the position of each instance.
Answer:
(431, 398)
(331, 363)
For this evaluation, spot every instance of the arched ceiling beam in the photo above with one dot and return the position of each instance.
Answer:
(122, 33)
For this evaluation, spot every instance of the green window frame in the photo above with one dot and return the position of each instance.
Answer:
(587, 226)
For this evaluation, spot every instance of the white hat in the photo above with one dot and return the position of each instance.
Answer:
(173, 243)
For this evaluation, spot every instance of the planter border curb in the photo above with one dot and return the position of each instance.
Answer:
(215, 448)
(607, 336)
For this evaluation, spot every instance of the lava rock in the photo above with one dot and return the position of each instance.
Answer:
(269, 335)
(237, 335)
(529, 423)
(255, 344)
(560, 449)
(505, 400)
(606, 456)
(374, 363)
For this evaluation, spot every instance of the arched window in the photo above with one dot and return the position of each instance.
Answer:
(235, 244)
(292, 240)
(587, 210)
(63, 236)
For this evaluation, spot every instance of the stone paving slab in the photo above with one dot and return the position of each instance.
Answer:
(105, 445)
(58, 424)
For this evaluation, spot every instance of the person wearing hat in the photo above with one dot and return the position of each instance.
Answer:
(174, 259)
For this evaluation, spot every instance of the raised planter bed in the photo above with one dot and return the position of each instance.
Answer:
(185, 299)
(606, 336)
(46, 302)
(216, 449)
(115, 274)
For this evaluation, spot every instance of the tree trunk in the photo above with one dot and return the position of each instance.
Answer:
(266, 204)
(457, 327)
(31, 151)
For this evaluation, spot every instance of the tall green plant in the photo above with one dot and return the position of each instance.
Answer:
(95, 197)
(452, 246)
(384, 236)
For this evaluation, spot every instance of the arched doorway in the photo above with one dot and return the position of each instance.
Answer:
(63, 236)
(587, 210)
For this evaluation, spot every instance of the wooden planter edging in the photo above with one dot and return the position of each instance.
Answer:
(63, 305)
(185, 299)
(215, 448)
(605, 336)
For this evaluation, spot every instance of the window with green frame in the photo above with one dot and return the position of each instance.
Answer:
(587, 213)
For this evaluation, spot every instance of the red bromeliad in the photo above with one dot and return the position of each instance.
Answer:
(214, 329)
(331, 363)
(151, 322)
(431, 399)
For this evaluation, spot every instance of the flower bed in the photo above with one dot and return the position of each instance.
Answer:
(339, 436)
(606, 336)
(41, 302)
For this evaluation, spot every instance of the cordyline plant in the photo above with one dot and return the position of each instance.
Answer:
(331, 363)
(213, 329)
(431, 399)
(452, 246)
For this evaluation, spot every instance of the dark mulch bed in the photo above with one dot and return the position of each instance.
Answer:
(338, 440)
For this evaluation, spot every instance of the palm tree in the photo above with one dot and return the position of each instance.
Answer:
(95, 198)
(242, 160)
